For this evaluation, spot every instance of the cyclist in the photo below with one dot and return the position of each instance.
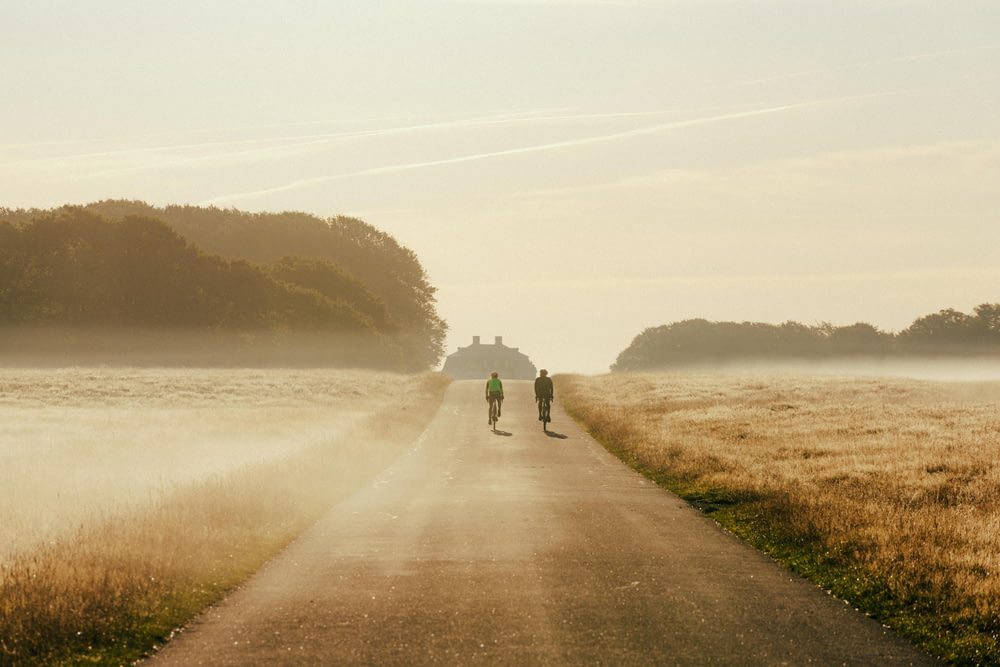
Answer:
(543, 394)
(494, 391)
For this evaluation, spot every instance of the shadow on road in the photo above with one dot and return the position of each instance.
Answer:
(499, 432)
(553, 434)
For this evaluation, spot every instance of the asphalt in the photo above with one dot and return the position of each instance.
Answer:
(522, 548)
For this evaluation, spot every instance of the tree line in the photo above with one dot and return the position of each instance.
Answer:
(699, 341)
(267, 277)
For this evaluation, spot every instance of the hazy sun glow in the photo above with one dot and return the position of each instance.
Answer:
(568, 172)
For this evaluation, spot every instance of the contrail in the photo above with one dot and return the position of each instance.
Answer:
(604, 138)
(279, 147)
(256, 145)
(304, 144)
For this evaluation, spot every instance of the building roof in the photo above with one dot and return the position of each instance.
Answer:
(478, 361)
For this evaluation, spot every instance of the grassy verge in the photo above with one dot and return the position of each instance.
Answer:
(108, 593)
(884, 492)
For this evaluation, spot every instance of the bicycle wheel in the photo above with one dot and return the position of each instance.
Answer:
(494, 408)
(543, 412)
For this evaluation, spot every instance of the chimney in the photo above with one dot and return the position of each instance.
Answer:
(475, 340)
(499, 340)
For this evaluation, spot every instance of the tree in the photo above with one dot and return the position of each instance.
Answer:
(358, 270)
(333, 283)
(13, 296)
(85, 270)
(859, 339)
(945, 328)
(389, 271)
(988, 321)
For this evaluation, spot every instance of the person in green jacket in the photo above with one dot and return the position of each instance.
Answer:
(494, 390)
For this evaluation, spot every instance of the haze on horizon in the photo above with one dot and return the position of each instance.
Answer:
(569, 172)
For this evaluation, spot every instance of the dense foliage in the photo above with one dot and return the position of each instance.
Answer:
(698, 341)
(129, 265)
(391, 272)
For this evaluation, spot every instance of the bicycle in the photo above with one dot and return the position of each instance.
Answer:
(544, 405)
(494, 411)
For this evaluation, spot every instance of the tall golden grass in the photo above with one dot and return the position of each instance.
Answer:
(884, 491)
(162, 489)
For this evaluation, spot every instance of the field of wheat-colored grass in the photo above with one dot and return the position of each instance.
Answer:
(885, 491)
(135, 497)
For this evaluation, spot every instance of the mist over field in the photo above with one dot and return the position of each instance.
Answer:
(946, 369)
(136, 497)
(53, 347)
(81, 444)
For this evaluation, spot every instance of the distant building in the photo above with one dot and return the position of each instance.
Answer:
(478, 361)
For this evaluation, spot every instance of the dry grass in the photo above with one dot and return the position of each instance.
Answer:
(885, 491)
(144, 495)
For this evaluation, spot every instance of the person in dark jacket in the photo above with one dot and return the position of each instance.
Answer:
(543, 390)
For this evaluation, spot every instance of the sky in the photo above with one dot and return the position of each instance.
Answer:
(569, 172)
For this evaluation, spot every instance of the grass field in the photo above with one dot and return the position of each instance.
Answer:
(884, 491)
(133, 498)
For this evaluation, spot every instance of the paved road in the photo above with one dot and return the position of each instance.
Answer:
(519, 548)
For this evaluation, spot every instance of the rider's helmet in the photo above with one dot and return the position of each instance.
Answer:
(543, 372)
(493, 374)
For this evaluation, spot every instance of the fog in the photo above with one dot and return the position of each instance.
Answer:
(94, 346)
(944, 369)
(81, 443)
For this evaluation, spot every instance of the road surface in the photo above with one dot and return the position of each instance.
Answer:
(521, 548)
